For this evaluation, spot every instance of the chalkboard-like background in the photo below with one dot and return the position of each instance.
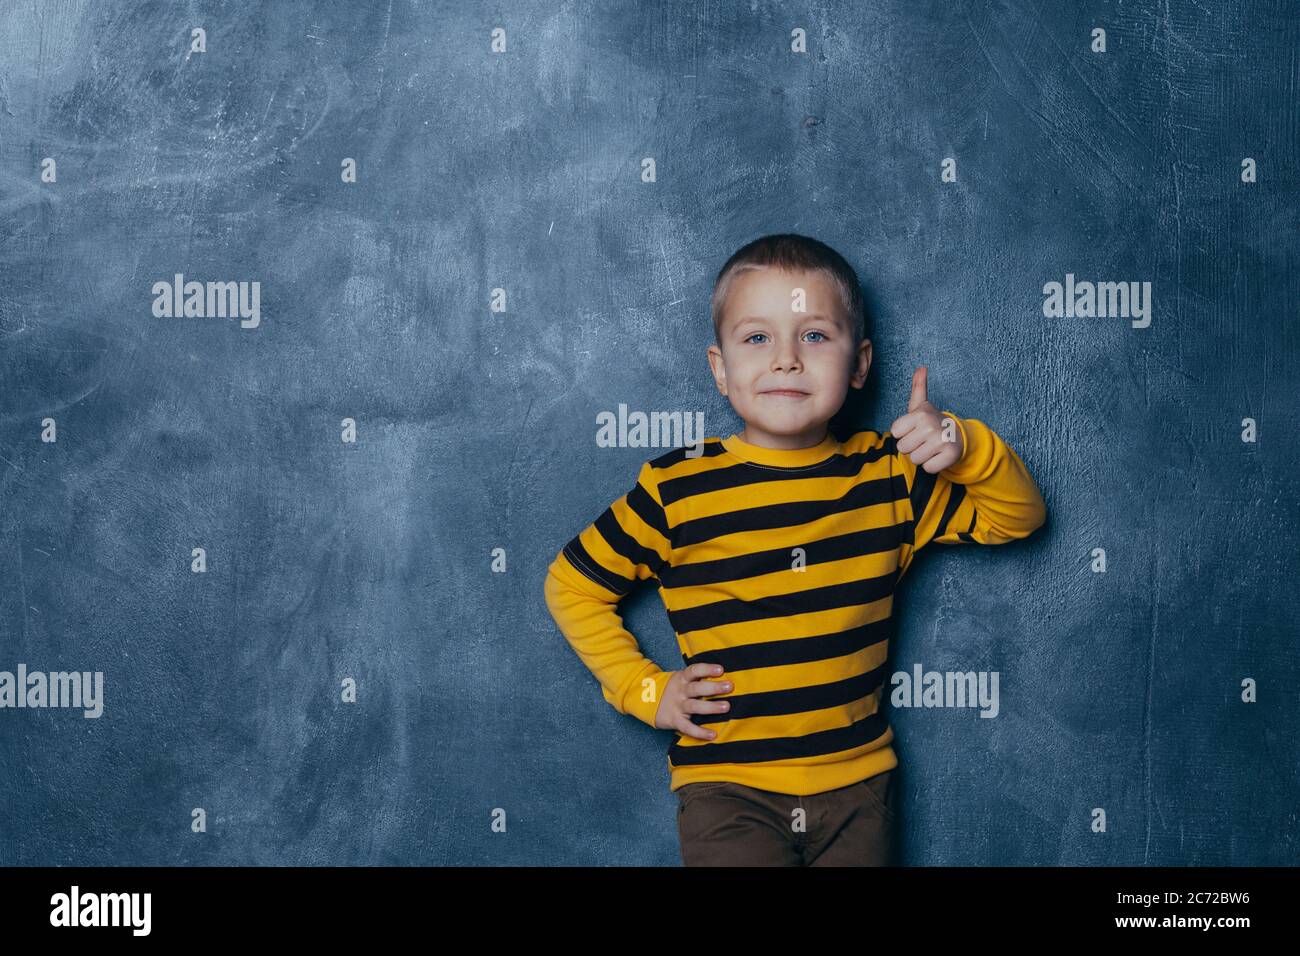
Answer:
(522, 170)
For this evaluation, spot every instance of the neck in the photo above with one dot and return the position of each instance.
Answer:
(804, 439)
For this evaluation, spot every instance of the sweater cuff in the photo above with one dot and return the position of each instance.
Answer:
(633, 702)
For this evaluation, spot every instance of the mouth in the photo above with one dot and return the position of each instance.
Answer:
(786, 392)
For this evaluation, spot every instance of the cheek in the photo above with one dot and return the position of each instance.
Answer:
(744, 374)
(833, 369)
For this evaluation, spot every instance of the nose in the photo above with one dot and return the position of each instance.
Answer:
(786, 357)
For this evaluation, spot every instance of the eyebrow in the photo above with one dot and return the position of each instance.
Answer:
(809, 317)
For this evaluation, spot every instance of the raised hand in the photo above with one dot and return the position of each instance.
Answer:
(932, 441)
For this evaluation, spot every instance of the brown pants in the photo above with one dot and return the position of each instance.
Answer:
(730, 824)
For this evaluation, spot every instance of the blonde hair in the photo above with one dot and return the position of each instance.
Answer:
(791, 252)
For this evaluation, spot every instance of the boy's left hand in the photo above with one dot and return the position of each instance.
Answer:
(921, 432)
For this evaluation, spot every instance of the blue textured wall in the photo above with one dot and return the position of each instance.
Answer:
(522, 170)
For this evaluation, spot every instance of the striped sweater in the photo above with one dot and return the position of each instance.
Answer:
(780, 565)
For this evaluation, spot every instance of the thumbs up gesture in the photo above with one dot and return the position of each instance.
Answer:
(932, 440)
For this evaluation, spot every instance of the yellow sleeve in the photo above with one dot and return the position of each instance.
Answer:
(988, 497)
(627, 543)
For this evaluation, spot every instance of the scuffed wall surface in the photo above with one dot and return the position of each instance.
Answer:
(475, 428)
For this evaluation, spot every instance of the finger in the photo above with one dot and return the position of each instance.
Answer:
(935, 464)
(918, 389)
(903, 424)
(933, 455)
(927, 448)
(698, 705)
(698, 671)
(945, 457)
(688, 728)
(910, 440)
(914, 437)
(922, 454)
(707, 688)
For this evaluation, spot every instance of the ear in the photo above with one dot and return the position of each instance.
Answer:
(719, 367)
(861, 363)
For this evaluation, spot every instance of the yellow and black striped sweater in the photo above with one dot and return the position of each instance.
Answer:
(780, 565)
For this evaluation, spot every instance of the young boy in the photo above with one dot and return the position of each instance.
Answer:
(776, 553)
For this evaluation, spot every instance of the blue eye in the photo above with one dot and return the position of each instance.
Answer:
(755, 335)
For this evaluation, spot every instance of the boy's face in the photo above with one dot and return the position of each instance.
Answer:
(785, 372)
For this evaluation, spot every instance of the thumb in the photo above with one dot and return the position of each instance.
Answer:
(918, 389)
